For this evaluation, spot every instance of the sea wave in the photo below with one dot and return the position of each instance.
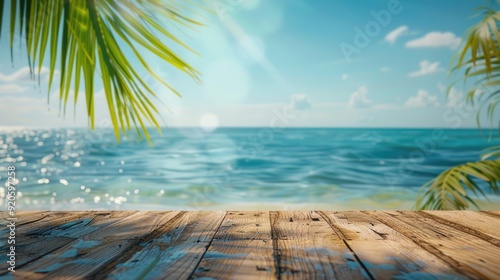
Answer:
(356, 168)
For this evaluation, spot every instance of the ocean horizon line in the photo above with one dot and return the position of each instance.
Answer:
(19, 127)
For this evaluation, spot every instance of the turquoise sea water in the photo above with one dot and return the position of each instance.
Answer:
(232, 168)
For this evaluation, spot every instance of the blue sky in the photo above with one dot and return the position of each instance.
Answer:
(306, 60)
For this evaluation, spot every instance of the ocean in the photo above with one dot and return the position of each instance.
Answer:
(233, 168)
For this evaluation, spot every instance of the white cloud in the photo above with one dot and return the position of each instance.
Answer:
(454, 98)
(300, 102)
(426, 68)
(359, 99)
(35, 111)
(30, 111)
(435, 39)
(12, 89)
(385, 69)
(345, 76)
(422, 99)
(392, 36)
(23, 74)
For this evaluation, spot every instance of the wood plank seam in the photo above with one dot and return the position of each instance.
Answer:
(32, 221)
(276, 247)
(461, 227)
(133, 248)
(370, 275)
(207, 247)
(428, 247)
(48, 251)
(344, 239)
(100, 220)
(459, 242)
(490, 214)
(22, 222)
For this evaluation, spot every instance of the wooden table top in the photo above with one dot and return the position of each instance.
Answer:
(253, 245)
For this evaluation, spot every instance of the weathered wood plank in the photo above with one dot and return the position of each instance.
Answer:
(481, 226)
(174, 254)
(22, 216)
(32, 216)
(306, 247)
(133, 226)
(245, 225)
(237, 259)
(262, 245)
(29, 247)
(494, 214)
(471, 256)
(85, 256)
(78, 260)
(384, 252)
(58, 232)
(52, 219)
(241, 249)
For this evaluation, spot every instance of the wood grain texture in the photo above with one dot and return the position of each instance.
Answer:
(242, 249)
(22, 216)
(38, 238)
(471, 256)
(481, 226)
(383, 251)
(174, 253)
(308, 248)
(99, 243)
(255, 245)
(245, 225)
(494, 214)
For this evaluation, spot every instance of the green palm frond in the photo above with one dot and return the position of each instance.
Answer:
(479, 58)
(86, 38)
(492, 152)
(450, 190)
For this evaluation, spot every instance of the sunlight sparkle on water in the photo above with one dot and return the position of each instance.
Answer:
(248, 167)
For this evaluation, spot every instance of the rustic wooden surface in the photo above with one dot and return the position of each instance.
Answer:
(254, 245)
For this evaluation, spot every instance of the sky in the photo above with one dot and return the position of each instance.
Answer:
(322, 63)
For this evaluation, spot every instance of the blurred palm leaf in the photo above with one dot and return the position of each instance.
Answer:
(493, 152)
(85, 38)
(449, 191)
(479, 59)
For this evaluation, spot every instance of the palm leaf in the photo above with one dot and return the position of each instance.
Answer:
(450, 190)
(479, 58)
(87, 37)
(492, 152)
